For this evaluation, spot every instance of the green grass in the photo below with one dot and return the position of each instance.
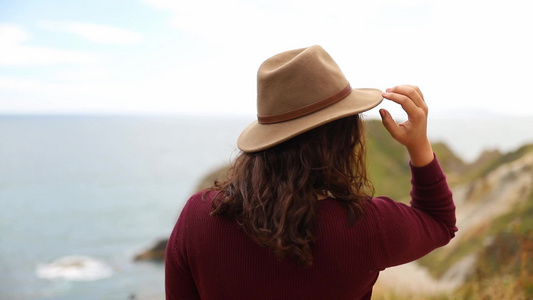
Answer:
(387, 163)
(504, 269)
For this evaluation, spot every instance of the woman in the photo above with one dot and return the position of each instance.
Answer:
(296, 219)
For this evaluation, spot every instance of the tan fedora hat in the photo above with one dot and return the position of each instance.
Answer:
(297, 91)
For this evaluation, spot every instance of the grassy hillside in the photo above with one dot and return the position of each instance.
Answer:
(388, 162)
(503, 246)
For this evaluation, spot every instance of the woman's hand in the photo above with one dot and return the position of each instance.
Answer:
(413, 132)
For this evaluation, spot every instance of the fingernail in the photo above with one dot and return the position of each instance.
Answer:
(382, 112)
(388, 90)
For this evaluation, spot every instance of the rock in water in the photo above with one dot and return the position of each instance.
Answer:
(157, 252)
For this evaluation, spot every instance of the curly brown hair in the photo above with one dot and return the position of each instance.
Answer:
(273, 194)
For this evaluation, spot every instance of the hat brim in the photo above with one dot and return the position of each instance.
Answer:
(258, 137)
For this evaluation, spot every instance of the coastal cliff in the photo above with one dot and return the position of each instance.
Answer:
(491, 253)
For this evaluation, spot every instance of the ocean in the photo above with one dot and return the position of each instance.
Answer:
(80, 196)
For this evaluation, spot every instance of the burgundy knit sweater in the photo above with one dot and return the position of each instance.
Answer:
(211, 257)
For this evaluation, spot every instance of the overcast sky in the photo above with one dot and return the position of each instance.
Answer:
(152, 56)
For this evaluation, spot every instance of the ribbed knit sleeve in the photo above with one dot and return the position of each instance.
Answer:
(430, 193)
(410, 232)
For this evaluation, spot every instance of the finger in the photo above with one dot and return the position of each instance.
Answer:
(419, 101)
(389, 123)
(407, 104)
(408, 90)
(417, 89)
(413, 92)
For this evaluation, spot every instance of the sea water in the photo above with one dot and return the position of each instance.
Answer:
(80, 196)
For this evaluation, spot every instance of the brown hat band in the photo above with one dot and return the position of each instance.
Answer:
(302, 111)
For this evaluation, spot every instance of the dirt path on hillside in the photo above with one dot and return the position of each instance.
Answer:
(413, 278)
(477, 204)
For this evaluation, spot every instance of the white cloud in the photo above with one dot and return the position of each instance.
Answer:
(17, 55)
(14, 53)
(258, 25)
(18, 84)
(96, 33)
(11, 34)
(464, 55)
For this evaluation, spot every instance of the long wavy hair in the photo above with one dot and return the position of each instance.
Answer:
(273, 194)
